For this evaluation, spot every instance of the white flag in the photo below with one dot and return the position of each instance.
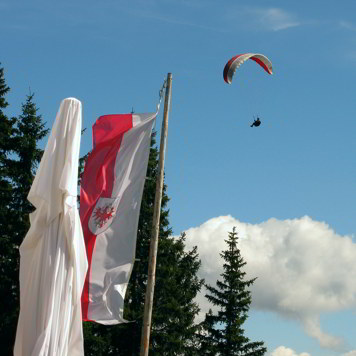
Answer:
(53, 259)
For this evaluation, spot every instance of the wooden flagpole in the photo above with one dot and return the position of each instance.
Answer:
(146, 328)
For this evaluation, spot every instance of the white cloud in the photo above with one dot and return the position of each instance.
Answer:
(348, 25)
(303, 267)
(285, 351)
(274, 19)
(350, 353)
(312, 327)
(171, 20)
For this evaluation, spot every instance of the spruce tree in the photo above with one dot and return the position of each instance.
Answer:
(30, 130)
(8, 255)
(223, 333)
(207, 333)
(7, 146)
(173, 327)
(174, 310)
(19, 157)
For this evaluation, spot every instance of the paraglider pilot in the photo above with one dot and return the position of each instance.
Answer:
(256, 122)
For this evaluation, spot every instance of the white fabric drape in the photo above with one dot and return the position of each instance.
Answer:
(53, 259)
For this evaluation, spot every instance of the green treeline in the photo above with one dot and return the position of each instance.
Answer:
(175, 330)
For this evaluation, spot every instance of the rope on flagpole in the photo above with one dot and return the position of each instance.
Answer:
(161, 93)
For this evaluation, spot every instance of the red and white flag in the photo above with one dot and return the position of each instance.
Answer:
(110, 199)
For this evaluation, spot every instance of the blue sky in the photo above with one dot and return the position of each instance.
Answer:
(288, 186)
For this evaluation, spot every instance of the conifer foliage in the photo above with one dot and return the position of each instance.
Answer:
(222, 333)
(19, 158)
(173, 329)
(8, 255)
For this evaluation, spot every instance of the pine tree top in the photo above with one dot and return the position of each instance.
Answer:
(223, 333)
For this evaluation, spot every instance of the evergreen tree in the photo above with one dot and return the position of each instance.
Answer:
(223, 333)
(30, 130)
(173, 326)
(19, 157)
(173, 329)
(8, 255)
(7, 147)
(207, 333)
(6, 130)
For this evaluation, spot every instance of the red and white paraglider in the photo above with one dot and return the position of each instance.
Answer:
(235, 62)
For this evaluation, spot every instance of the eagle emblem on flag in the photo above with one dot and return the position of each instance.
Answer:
(103, 214)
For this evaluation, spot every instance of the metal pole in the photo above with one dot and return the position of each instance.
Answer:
(146, 329)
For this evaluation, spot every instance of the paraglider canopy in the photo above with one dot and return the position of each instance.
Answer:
(236, 61)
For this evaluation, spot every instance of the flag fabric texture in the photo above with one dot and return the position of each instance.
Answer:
(110, 200)
(53, 260)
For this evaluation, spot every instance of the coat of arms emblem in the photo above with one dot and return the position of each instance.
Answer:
(103, 214)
